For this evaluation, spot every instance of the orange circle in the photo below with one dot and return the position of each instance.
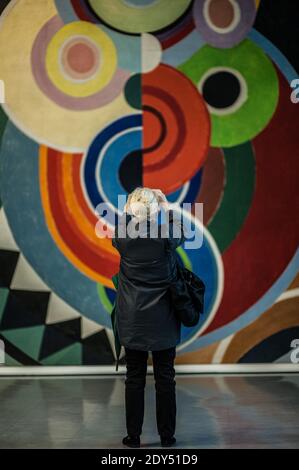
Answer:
(187, 122)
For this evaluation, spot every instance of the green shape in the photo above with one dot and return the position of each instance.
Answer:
(184, 257)
(27, 339)
(69, 356)
(10, 361)
(3, 299)
(237, 196)
(133, 91)
(137, 19)
(104, 298)
(260, 76)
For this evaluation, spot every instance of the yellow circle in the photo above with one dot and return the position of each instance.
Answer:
(108, 59)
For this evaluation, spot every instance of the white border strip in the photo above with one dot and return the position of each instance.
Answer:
(180, 369)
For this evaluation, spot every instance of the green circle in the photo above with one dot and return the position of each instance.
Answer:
(263, 89)
(134, 19)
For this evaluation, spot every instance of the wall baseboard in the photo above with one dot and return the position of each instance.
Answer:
(272, 368)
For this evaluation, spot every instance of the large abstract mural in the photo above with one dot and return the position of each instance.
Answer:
(187, 96)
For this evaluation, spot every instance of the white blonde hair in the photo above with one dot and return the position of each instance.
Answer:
(142, 203)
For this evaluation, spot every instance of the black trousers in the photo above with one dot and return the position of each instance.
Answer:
(164, 374)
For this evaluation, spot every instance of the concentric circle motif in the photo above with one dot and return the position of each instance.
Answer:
(139, 17)
(235, 92)
(83, 56)
(224, 23)
(100, 170)
(128, 46)
(63, 121)
(176, 127)
(70, 73)
(217, 79)
(113, 164)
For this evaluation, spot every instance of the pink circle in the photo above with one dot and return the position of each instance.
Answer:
(80, 58)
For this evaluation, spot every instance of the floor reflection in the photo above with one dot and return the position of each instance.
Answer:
(214, 411)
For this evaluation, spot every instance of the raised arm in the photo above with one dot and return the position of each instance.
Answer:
(176, 230)
(176, 227)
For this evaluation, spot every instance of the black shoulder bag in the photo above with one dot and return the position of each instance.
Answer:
(187, 294)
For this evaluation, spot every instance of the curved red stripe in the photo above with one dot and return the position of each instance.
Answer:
(181, 121)
(81, 13)
(76, 166)
(172, 40)
(65, 223)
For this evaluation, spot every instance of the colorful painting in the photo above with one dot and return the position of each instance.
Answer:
(101, 97)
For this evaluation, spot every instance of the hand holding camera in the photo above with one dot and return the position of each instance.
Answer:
(161, 198)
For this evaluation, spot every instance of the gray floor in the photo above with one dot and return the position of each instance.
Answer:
(216, 411)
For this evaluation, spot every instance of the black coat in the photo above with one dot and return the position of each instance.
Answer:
(145, 318)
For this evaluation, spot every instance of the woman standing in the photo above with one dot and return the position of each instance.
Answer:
(145, 317)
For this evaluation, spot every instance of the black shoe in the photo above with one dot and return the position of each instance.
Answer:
(131, 441)
(168, 441)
